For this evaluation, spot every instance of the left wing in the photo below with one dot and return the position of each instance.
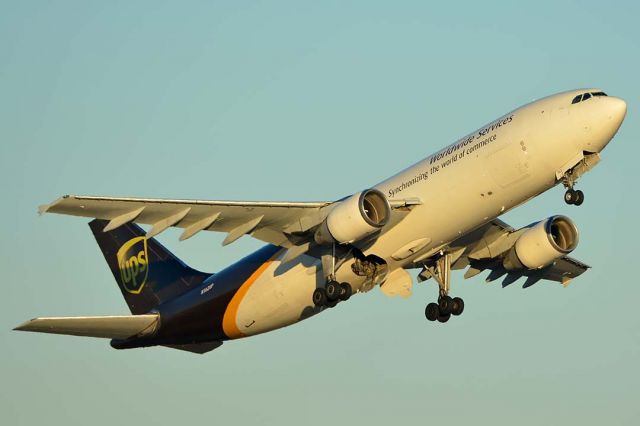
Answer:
(273, 222)
(285, 224)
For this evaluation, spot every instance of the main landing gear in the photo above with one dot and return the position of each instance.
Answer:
(443, 310)
(446, 305)
(332, 293)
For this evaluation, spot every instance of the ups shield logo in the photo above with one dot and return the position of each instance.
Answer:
(133, 264)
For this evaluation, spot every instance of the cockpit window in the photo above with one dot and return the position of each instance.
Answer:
(586, 96)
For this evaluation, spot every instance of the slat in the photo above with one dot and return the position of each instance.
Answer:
(241, 230)
(228, 203)
(199, 226)
(118, 221)
(163, 224)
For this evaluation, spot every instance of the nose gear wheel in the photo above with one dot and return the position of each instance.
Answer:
(573, 197)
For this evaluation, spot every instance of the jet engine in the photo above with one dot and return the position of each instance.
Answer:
(542, 243)
(354, 218)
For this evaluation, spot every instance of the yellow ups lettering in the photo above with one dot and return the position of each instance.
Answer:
(133, 264)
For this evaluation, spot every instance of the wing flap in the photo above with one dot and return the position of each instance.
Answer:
(110, 327)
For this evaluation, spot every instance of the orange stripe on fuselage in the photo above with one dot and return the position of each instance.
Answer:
(229, 323)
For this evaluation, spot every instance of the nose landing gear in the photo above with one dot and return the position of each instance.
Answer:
(573, 197)
(571, 176)
(446, 305)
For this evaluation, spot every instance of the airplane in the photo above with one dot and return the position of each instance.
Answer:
(438, 215)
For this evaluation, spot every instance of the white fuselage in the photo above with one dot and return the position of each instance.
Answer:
(465, 185)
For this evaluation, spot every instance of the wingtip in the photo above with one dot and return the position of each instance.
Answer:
(24, 326)
(44, 208)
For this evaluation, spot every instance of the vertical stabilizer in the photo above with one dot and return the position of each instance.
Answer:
(147, 273)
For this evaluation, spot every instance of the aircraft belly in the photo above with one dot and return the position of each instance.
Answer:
(279, 297)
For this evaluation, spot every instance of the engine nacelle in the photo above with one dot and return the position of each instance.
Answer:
(355, 218)
(543, 243)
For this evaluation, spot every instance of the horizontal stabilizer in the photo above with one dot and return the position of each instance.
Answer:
(111, 327)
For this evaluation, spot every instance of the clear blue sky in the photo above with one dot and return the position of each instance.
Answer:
(307, 101)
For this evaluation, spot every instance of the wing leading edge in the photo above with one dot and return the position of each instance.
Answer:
(272, 222)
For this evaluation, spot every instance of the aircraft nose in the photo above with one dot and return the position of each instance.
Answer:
(617, 110)
(611, 111)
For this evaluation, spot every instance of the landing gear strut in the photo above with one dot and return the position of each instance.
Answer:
(333, 292)
(572, 196)
(446, 305)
